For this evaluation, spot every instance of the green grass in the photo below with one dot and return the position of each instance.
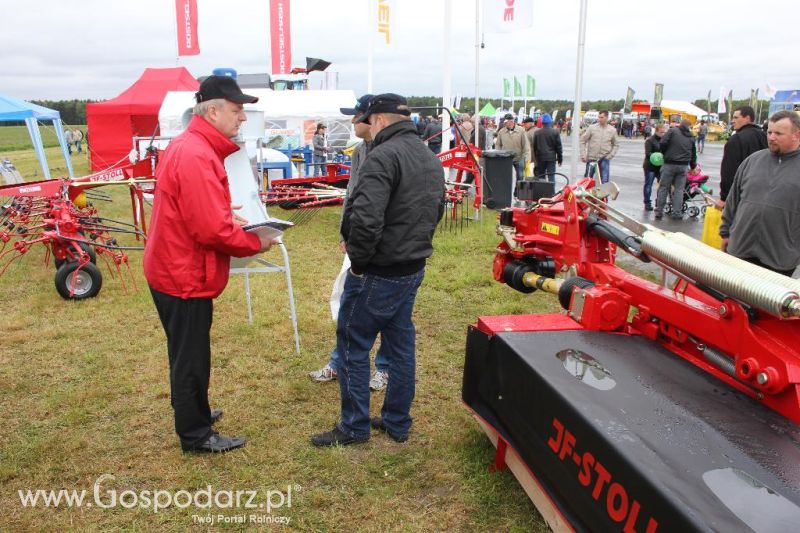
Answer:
(85, 391)
(13, 138)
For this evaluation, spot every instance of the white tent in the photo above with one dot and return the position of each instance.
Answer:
(291, 112)
(684, 107)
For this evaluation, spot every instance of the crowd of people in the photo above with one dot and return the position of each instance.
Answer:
(74, 138)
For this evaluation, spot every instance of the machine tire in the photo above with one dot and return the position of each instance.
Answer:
(569, 285)
(90, 280)
(86, 248)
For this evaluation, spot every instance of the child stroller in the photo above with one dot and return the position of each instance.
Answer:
(693, 201)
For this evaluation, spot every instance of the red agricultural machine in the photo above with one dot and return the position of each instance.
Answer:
(641, 407)
(60, 216)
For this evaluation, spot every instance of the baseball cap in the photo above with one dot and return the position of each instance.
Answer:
(508, 116)
(527, 120)
(223, 87)
(386, 103)
(547, 119)
(361, 106)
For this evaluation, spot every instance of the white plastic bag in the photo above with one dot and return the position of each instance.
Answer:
(338, 288)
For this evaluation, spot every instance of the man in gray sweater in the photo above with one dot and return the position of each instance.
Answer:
(761, 220)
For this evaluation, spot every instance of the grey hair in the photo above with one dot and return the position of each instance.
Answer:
(201, 108)
(793, 117)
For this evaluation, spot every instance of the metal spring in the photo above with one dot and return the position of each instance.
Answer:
(722, 257)
(718, 359)
(752, 289)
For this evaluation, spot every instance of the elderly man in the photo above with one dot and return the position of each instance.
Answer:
(193, 234)
(511, 137)
(599, 146)
(749, 138)
(388, 225)
(679, 150)
(761, 219)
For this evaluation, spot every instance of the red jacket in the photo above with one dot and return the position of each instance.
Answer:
(192, 233)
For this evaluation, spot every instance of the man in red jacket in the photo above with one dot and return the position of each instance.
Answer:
(193, 234)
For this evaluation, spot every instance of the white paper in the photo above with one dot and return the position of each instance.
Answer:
(338, 288)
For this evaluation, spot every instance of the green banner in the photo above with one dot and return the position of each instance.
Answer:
(629, 98)
(753, 98)
(517, 88)
(506, 89)
(530, 87)
(659, 95)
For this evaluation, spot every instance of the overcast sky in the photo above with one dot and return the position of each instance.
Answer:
(96, 48)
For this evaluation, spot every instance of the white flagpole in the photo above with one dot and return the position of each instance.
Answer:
(446, 74)
(476, 117)
(370, 42)
(576, 109)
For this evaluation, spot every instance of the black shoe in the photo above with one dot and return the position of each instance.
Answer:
(216, 443)
(336, 437)
(648, 207)
(377, 423)
(216, 414)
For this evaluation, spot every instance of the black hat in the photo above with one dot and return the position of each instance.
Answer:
(526, 120)
(223, 87)
(361, 106)
(386, 103)
(508, 116)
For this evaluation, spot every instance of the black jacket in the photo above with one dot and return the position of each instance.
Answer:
(747, 140)
(433, 133)
(392, 213)
(547, 145)
(652, 144)
(678, 147)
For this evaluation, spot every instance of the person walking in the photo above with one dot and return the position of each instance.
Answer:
(547, 149)
(702, 131)
(512, 137)
(679, 150)
(748, 139)
(320, 147)
(599, 146)
(652, 173)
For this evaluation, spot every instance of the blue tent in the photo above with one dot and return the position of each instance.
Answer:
(14, 109)
(785, 100)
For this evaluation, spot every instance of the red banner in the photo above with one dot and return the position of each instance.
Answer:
(280, 36)
(186, 15)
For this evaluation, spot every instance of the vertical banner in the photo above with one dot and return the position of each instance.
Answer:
(770, 91)
(753, 98)
(280, 36)
(517, 88)
(629, 99)
(730, 102)
(506, 89)
(387, 14)
(708, 102)
(186, 17)
(721, 102)
(530, 87)
(505, 16)
(659, 95)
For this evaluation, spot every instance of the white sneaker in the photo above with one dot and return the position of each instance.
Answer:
(379, 380)
(326, 373)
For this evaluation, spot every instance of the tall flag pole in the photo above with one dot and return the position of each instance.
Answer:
(576, 109)
(446, 74)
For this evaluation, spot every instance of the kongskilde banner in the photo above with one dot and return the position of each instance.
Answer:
(186, 14)
(504, 16)
(280, 36)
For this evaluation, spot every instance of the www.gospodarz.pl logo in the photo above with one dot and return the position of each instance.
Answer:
(159, 499)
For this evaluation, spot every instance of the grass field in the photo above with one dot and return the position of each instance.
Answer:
(85, 392)
(14, 138)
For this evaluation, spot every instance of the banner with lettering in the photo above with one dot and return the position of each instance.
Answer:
(186, 15)
(280, 36)
(505, 16)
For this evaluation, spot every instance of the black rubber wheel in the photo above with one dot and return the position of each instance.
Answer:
(88, 283)
(694, 211)
(569, 285)
(86, 248)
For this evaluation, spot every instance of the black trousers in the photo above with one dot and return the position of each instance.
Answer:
(187, 324)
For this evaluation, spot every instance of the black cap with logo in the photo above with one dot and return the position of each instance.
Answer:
(223, 87)
(386, 103)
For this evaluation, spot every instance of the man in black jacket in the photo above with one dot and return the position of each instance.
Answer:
(679, 150)
(388, 225)
(749, 138)
(547, 150)
(652, 173)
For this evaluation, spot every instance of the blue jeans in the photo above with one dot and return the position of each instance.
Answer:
(605, 167)
(548, 167)
(319, 165)
(701, 143)
(519, 168)
(381, 359)
(370, 305)
(649, 178)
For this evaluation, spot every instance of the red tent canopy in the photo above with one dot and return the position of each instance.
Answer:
(113, 123)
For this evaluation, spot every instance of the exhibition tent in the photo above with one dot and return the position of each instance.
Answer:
(14, 109)
(134, 113)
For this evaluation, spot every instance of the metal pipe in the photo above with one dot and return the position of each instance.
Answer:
(576, 108)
